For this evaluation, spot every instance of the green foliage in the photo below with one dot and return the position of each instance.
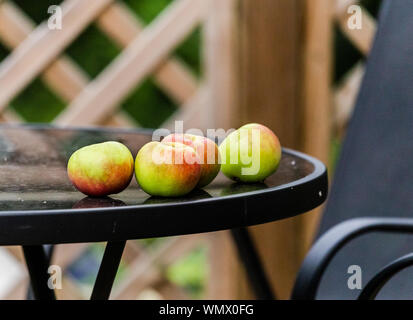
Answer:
(149, 105)
(190, 272)
(37, 103)
(345, 53)
(148, 10)
(372, 6)
(93, 51)
(3, 52)
(37, 11)
(335, 149)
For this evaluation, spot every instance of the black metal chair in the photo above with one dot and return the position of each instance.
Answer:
(374, 180)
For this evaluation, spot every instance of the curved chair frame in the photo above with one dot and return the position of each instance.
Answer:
(323, 251)
(374, 286)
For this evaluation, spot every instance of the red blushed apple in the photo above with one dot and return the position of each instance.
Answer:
(101, 169)
(207, 151)
(169, 169)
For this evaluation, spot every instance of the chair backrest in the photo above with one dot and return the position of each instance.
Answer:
(374, 176)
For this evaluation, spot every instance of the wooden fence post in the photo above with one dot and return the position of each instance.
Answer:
(280, 79)
(220, 42)
(316, 95)
(269, 93)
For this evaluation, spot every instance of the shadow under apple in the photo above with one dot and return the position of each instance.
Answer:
(104, 202)
(238, 187)
(196, 194)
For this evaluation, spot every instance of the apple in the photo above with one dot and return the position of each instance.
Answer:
(207, 151)
(250, 154)
(101, 169)
(167, 169)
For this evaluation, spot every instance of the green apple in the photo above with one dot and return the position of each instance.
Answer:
(101, 169)
(167, 169)
(250, 154)
(207, 151)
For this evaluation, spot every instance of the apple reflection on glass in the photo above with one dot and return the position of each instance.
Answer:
(103, 202)
(239, 187)
(196, 194)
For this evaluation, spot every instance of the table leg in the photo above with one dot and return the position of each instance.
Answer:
(37, 262)
(107, 271)
(49, 252)
(254, 268)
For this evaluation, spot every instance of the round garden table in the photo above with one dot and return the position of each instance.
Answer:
(39, 206)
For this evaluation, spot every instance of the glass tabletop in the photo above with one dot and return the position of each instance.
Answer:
(33, 175)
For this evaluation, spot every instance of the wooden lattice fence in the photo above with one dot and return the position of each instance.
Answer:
(345, 94)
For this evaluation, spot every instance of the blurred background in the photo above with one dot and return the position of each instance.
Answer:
(293, 65)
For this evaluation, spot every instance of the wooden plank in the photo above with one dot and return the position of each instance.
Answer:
(122, 26)
(120, 120)
(69, 291)
(345, 96)
(149, 294)
(10, 116)
(316, 97)
(223, 268)
(132, 250)
(170, 291)
(66, 254)
(363, 38)
(12, 33)
(341, 6)
(63, 76)
(16, 252)
(223, 112)
(143, 55)
(192, 114)
(19, 292)
(63, 256)
(220, 64)
(43, 45)
(269, 91)
(143, 271)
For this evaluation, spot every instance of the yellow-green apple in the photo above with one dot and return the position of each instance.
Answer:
(207, 151)
(250, 154)
(101, 169)
(167, 169)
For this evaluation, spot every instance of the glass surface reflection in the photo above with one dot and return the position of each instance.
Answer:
(33, 170)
